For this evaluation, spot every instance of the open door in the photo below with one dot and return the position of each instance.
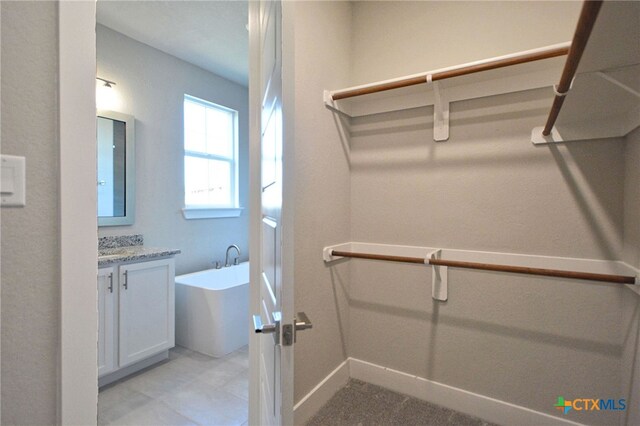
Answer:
(271, 190)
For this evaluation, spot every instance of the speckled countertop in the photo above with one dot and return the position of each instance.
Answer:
(110, 256)
(128, 248)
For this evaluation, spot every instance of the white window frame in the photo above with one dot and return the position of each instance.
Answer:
(214, 211)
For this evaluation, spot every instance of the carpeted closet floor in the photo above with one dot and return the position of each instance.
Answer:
(364, 404)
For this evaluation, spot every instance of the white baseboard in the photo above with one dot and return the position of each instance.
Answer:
(321, 394)
(473, 404)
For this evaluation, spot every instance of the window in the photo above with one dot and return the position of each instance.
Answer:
(210, 160)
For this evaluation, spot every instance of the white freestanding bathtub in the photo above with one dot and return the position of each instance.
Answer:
(212, 310)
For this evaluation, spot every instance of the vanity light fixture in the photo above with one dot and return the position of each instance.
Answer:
(107, 83)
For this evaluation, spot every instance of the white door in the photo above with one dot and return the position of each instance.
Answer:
(147, 309)
(106, 321)
(273, 400)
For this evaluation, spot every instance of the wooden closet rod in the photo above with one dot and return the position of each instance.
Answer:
(456, 72)
(617, 279)
(585, 25)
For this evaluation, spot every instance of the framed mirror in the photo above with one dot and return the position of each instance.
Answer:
(116, 168)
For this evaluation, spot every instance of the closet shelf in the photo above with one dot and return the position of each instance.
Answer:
(515, 72)
(599, 91)
(607, 271)
(558, 273)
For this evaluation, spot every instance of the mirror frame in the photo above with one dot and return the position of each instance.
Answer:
(130, 170)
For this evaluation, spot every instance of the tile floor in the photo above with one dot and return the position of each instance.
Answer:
(364, 404)
(188, 389)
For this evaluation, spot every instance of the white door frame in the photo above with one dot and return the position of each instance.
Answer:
(78, 224)
(255, 172)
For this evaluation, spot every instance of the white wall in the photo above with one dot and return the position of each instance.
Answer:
(151, 85)
(30, 259)
(322, 204)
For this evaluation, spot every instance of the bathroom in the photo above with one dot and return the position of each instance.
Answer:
(163, 208)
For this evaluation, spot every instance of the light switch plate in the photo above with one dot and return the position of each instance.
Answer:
(12, 181)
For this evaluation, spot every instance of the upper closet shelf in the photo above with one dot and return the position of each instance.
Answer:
(599, 92)
(516, 72)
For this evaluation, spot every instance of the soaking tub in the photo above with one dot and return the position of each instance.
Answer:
(212, 310)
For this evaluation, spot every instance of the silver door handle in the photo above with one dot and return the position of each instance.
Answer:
(303, 322)
(262, 328)
(269, 328)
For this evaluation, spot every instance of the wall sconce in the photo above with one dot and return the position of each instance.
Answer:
(106, 96)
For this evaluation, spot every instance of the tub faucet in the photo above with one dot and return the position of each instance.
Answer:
(226, 259)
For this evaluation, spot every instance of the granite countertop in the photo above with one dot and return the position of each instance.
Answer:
(109, 256)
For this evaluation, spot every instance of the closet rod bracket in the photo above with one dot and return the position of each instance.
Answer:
(440, 113)
(439, 277)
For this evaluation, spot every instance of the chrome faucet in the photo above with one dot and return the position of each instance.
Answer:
(226, 259)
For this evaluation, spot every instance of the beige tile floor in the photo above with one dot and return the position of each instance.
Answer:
(188, 389)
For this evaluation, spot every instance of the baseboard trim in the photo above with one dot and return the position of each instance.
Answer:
(473, 404)
(321, 394)
(486, 408)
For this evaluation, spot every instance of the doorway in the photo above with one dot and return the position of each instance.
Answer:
(164, 65)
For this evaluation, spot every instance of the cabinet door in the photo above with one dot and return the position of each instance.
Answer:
(106, 321)
(147, 309)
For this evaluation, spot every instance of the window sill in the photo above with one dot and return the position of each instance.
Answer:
(210, 213)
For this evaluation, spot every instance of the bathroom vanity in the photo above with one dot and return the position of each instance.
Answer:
(136, 309)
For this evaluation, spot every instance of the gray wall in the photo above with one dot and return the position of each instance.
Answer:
(391, 39)
(322, 204)
(630, 370)
(151, 85)
(520, 339)
(30, 260)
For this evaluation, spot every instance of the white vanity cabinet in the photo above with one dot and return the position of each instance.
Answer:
(147, 309)
(136, 307)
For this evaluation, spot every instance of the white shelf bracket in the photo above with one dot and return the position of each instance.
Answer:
(330, 104)
(440, 114)
(439, 277)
